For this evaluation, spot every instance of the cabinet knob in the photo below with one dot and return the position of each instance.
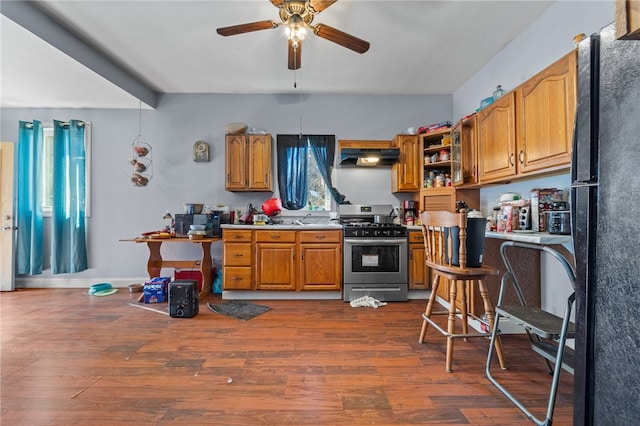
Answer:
(511, 163)
(275, 237)
(521, 157)
(320, 237)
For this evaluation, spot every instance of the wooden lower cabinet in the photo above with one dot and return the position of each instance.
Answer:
(282, 260)
(237, 259)
(419, 277)
(320, 260)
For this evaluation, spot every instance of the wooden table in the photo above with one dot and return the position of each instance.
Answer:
(156, 262)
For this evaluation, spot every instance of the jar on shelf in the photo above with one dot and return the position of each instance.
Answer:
(498, 92)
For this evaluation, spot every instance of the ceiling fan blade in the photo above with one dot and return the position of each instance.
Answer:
(320, 5)
(343, 39)
(247, 28)
(295, 55)
(277, 3)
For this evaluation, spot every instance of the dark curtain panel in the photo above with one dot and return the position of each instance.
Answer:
(323, 150)
(292, 170)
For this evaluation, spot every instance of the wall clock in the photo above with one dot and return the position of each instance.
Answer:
(200, 151)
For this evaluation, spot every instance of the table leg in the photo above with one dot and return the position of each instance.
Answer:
(206, 264)
(155, 258)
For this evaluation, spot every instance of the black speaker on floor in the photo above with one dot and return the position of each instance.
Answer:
(183, 299)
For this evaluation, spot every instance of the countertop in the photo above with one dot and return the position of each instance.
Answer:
(287, 227)
(523, 237)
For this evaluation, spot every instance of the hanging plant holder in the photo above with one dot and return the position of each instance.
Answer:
(141, 161)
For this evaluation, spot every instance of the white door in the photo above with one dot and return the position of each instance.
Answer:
(7, 222)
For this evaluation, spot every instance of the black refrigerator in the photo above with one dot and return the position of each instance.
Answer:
(605, 204)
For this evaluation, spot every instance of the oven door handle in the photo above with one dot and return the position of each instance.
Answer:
(373, 242)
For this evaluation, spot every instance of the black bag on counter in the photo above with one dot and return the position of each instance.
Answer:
(475, 242)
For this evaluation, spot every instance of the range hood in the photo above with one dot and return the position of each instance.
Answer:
(368, 157)
(363, 153)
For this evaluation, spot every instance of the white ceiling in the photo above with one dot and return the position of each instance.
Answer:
(417, 47)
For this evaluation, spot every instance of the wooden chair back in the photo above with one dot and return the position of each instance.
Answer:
(436, 230)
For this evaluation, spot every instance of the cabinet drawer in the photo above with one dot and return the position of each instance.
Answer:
(415, 237)
(236, 235)
(320, 236)
(237, 254)
(276, 236)
(237, 278)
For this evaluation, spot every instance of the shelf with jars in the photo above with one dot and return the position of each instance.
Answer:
(436, 147)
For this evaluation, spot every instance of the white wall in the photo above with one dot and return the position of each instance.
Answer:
(121, 211)
(547, 39)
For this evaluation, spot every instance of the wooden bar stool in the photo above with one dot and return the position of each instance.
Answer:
(445, 232)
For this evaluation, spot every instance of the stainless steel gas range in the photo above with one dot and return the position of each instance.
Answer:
(375, 253)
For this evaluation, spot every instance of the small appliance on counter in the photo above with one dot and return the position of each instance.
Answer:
(183, 222)
(409, 212)
(558, 220)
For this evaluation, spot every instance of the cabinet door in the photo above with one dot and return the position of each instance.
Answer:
(259, 165)
(275, 266)
(405, 174)
(464, 151)
(496, 156)
(418, 271)
(320, 267)
(236, 162)
(628, 19)
(546, 106)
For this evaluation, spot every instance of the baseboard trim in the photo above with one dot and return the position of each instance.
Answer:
(55, 282)
(280, 295)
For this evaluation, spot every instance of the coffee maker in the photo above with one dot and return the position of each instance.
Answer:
(409, 212)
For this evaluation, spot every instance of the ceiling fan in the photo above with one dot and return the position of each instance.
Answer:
(297, 17)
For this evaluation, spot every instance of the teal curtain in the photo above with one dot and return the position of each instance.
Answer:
(29, 198)
(292, 170)
(68, 233)
(323, 150)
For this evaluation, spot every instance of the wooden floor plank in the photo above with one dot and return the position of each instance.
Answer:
(67, 358)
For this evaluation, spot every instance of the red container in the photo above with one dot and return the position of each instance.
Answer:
(272, 206)
(193, 274)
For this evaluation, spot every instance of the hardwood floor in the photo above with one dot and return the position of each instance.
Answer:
(70, 358)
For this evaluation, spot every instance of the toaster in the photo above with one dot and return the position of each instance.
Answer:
(559, 222)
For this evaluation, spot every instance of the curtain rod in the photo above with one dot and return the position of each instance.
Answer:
(63, 123)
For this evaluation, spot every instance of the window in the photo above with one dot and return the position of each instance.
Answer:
(47, 169)
(304, 172)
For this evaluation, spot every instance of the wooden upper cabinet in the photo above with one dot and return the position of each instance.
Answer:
(628, 19)
(546, 106)
(497, 129)
(248, 163)
(405, 174)
(529, 131)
